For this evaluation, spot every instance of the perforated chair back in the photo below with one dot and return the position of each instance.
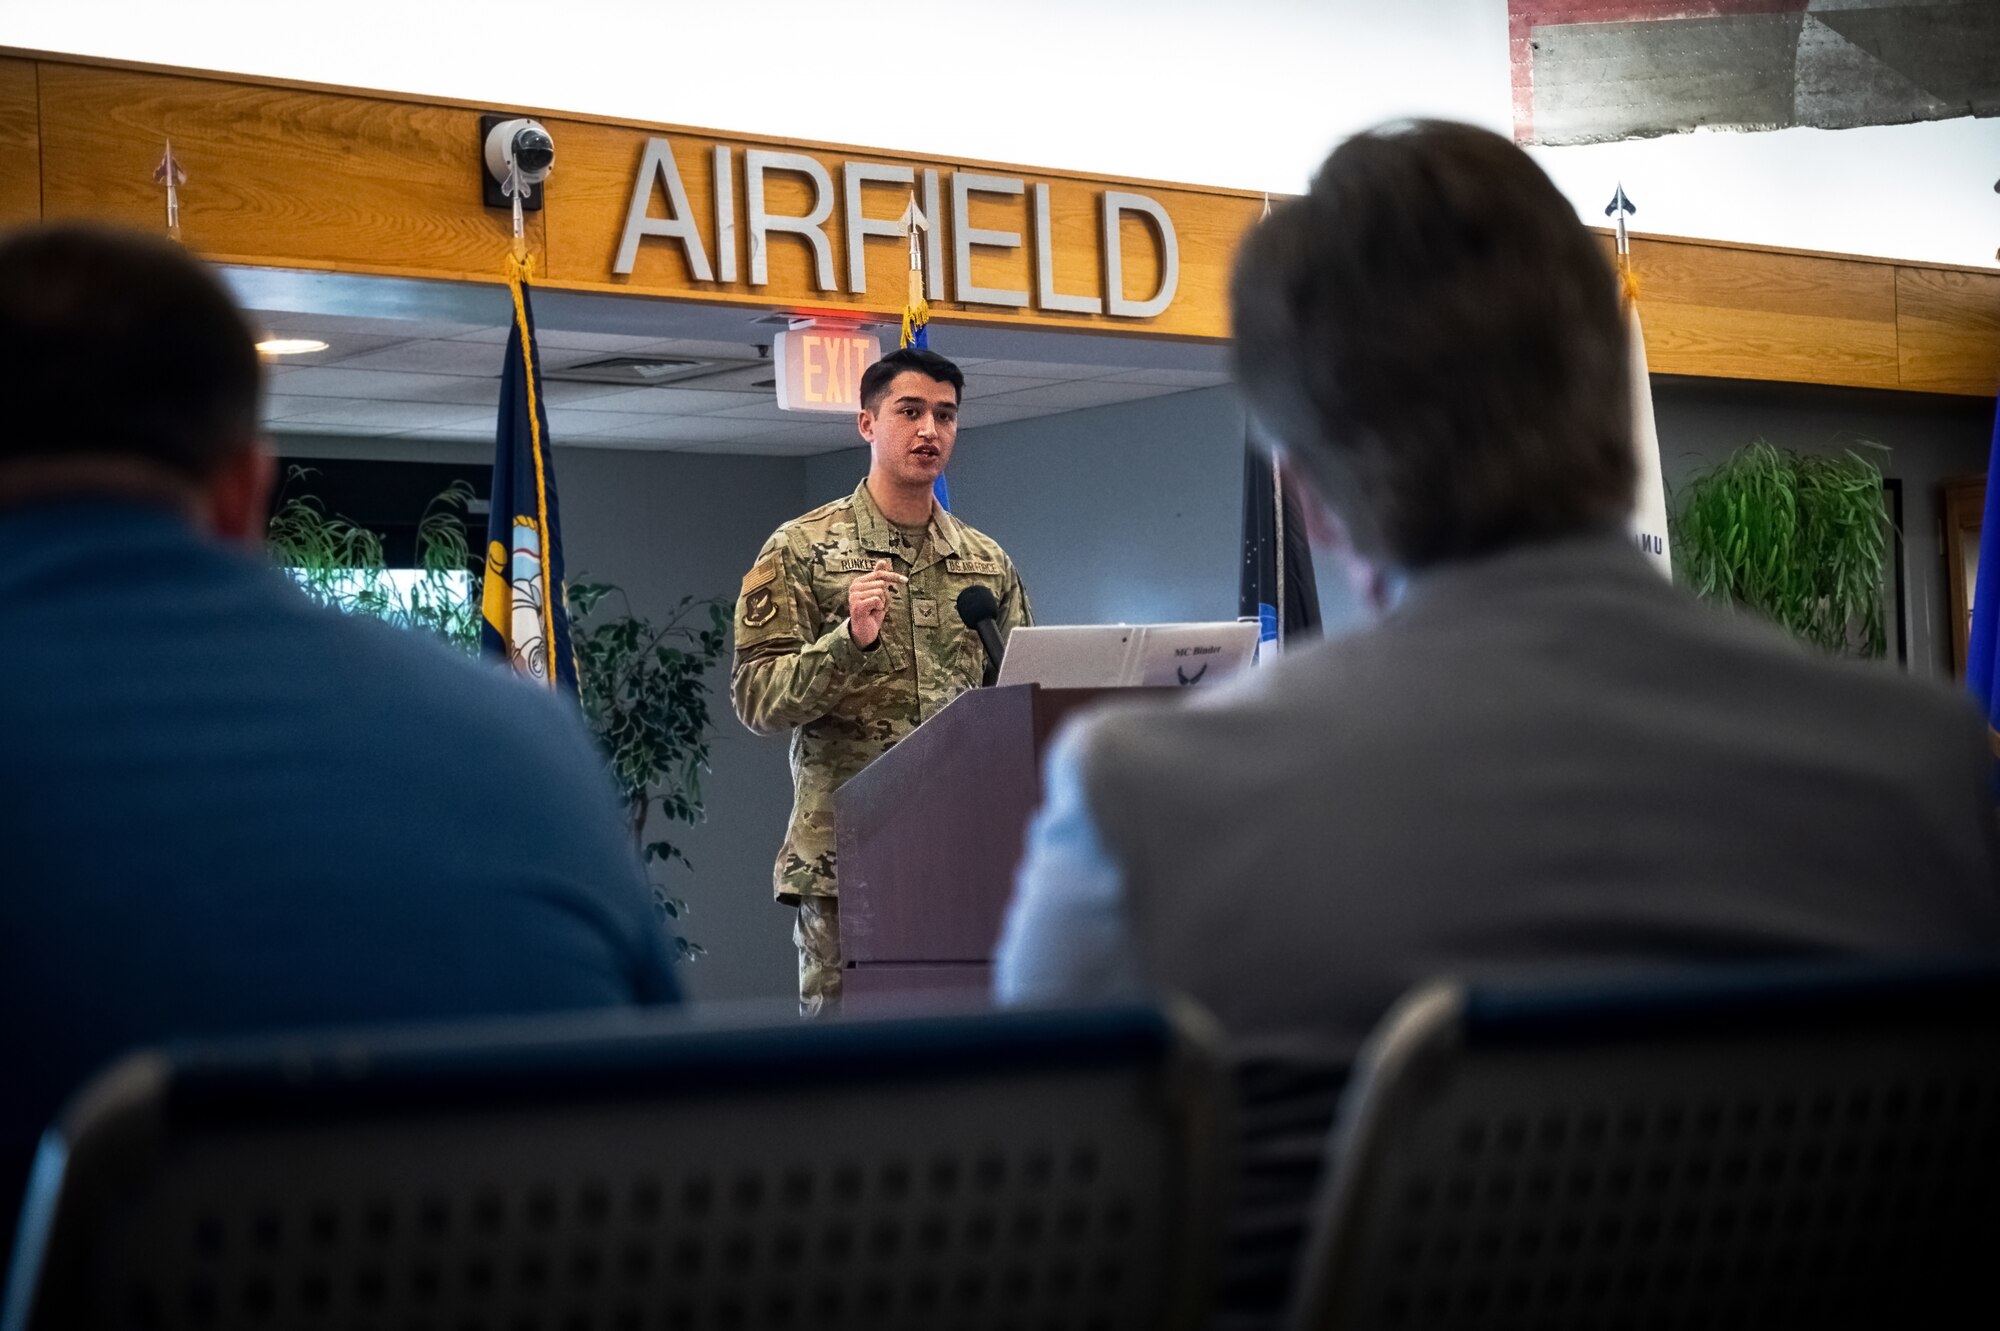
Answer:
(1814, 1148)
(998, 1170)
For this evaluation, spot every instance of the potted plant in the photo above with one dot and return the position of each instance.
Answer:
(645, 694)
(643, 687)
(1803, 539)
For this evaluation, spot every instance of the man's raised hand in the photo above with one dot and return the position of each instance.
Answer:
(868, 601)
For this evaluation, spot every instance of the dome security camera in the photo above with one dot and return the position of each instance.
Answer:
(527, 143)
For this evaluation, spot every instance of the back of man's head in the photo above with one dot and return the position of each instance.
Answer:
(1436, 341)
(115, 345)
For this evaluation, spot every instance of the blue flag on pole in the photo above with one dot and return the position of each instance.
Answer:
(1982, 652)
(1276, 582)
(525, 621)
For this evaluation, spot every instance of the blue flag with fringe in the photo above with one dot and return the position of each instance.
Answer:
(1982, 651)
(524, 620)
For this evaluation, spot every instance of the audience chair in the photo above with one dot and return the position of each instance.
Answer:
(1804, 1147)
(641, 1173)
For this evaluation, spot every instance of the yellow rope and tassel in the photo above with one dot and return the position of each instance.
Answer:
(520, 269)
(916, 311)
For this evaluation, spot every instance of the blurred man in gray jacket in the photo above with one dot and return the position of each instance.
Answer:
(1541, 755)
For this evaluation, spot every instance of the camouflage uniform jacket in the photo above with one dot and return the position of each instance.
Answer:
(798, 668)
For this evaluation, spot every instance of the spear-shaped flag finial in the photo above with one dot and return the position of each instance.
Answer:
(1619, 209)
(170, 174)
(916, 310)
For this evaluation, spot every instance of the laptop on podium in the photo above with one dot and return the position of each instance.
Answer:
(1095, 656)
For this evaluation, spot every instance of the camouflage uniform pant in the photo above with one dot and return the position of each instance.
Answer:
(817, 934)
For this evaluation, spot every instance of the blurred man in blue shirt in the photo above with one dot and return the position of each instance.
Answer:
(226, 808)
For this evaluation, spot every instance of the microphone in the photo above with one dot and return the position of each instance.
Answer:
(978, 609)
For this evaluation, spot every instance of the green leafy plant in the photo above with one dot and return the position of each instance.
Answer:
(645, 694)
(1802, 539)
(643, 686)
(340, 563)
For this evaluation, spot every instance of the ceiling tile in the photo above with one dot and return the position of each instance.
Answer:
(559, 394)
(384, 386)
(351, 330)
(339, 345)
(685, 346)
(617, 444)
(277, 407)
(1044, 369)
(767, 410)
(683, 429)
(568, 422)
(557, 339)
(675, 401)
(432, 357)
(460, 432)
(1171, 378)
(1086, 393)
(980, 387)
(343, 429)
(388, 415)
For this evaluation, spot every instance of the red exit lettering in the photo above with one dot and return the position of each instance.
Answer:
(821, 371)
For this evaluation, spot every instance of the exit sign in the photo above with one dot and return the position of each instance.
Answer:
(819, 369)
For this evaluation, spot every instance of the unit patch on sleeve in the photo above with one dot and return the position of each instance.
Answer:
(760, 593)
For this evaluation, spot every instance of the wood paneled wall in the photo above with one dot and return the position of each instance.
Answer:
(1741, 312)
(297, 176)
(20, 143)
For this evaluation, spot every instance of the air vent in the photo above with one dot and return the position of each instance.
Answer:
(653, 371)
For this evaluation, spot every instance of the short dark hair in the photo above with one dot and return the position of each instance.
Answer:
(117, 343)
(875, 380)
(1436, 340)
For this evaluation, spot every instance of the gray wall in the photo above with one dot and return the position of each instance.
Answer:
(1125, 513)
(663, 526)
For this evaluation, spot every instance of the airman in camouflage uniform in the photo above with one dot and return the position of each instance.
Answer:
(800, 666)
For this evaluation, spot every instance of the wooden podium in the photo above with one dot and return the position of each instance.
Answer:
(929, 835)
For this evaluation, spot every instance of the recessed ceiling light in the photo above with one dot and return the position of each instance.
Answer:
(289, 346)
